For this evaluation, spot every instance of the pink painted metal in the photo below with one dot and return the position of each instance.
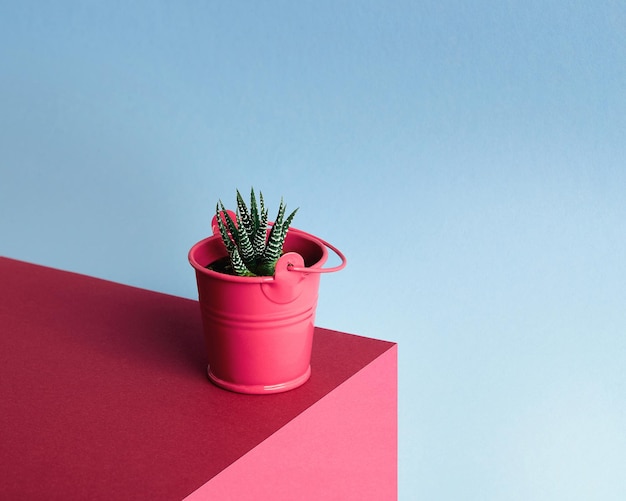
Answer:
(259, 330)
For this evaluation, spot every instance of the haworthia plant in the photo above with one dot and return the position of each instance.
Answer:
(252, 251)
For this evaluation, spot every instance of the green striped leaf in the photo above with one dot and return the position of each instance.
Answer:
(287, 222)
(260, 237)
(245, 219)
(226, 238)
(232, 227)
(238, 265)
(244, 245)
(254, 212)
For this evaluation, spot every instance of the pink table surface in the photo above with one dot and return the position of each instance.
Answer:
(104, 392)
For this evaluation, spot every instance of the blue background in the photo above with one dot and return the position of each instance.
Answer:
(468, 157)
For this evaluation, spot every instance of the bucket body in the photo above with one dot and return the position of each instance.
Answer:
(259, 330)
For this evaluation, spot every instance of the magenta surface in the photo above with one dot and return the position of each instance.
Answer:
(105, 396)
(343, 447)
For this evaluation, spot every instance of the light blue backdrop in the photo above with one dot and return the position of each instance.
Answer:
(468, 157)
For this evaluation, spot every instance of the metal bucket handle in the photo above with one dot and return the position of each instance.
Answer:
(304, 269)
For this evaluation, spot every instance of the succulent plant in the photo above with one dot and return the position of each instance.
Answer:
(253, 250)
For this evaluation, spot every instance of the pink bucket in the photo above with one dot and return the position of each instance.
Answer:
(259, 330)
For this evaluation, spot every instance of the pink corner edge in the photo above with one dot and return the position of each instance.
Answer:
(343, 447)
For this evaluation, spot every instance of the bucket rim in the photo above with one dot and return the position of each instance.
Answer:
(200, 268)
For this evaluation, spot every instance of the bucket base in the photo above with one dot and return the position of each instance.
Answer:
(259, 389)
